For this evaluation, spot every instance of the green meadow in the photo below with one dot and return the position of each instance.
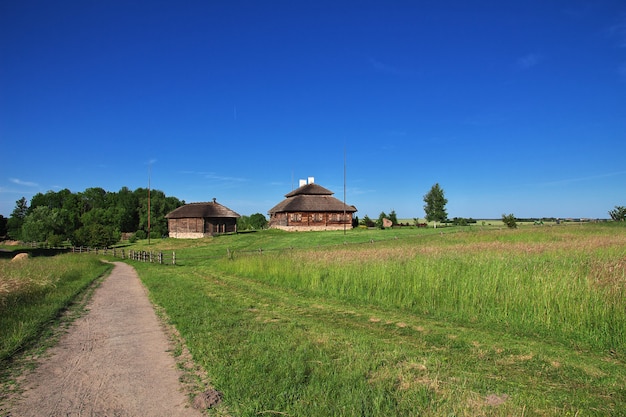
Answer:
(467, 321)
(453, 321)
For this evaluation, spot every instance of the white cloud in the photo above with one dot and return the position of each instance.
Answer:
(618, 32)
(528, 61)
(215, 177)
(386, 68)
(23, 183)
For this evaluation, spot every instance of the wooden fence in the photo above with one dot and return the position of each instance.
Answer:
(135, 255)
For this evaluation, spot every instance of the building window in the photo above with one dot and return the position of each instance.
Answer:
(318, 217)
(295, 217)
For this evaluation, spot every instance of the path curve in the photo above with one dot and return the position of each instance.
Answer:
(113, 361)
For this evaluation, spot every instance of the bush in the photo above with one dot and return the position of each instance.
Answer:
(96, 236)
(509, 220)
(618, 214)
(55, 241)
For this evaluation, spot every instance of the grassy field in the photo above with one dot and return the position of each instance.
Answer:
(34, 292)
(404, 322)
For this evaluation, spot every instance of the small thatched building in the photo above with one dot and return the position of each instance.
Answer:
(197, 220)
(311, 207)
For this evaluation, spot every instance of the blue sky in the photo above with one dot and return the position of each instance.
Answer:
(512, 107)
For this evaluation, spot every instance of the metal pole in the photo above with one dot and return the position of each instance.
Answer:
(149, 172)
(344, 189)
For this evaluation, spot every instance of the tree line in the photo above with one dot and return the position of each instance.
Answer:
(94, 217)
(97, 218)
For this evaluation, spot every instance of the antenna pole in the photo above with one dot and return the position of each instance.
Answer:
(344, 190)
(149, 173)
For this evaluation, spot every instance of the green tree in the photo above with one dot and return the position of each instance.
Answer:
(66, 205)
(243, 223)
(367, 222)
(160, 205)
(435, 207)
(70, 212)
(509, 220)
(393, 217)
(255, 222)
(258, 221)
(95, 197)
(96, 236)
(42, 224)
(16, 220)
(618, 214)
(379, 221)
(127, 214)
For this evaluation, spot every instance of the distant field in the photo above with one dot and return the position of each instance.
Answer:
(456, 321)
(494, 222)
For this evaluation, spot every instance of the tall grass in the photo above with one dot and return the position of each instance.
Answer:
(34, 291)
(423, 326)
(569, 287)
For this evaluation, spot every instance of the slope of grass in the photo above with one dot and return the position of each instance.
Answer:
(275, 350)
(471, 323)
(571, 289)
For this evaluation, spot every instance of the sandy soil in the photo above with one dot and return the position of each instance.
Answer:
(113, 361)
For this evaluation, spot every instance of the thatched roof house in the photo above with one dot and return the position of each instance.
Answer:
(196, 220)
(311, 207)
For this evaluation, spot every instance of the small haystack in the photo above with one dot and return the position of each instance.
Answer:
(19, 257)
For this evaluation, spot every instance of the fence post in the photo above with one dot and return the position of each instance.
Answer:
(160, 257)
(122, 253)
(173, 258)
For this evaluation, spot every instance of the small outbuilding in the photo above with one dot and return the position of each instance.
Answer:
(311, 207)
(198, 220)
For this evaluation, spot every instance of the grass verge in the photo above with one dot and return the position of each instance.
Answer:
(34, 292)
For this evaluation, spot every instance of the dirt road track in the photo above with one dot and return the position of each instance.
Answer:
(113, 361)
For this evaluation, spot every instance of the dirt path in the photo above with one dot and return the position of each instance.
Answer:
(113, 361)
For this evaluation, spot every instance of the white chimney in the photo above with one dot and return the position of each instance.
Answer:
(302, 182)
(311, 180)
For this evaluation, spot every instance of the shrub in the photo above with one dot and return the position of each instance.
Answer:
(509, 220)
